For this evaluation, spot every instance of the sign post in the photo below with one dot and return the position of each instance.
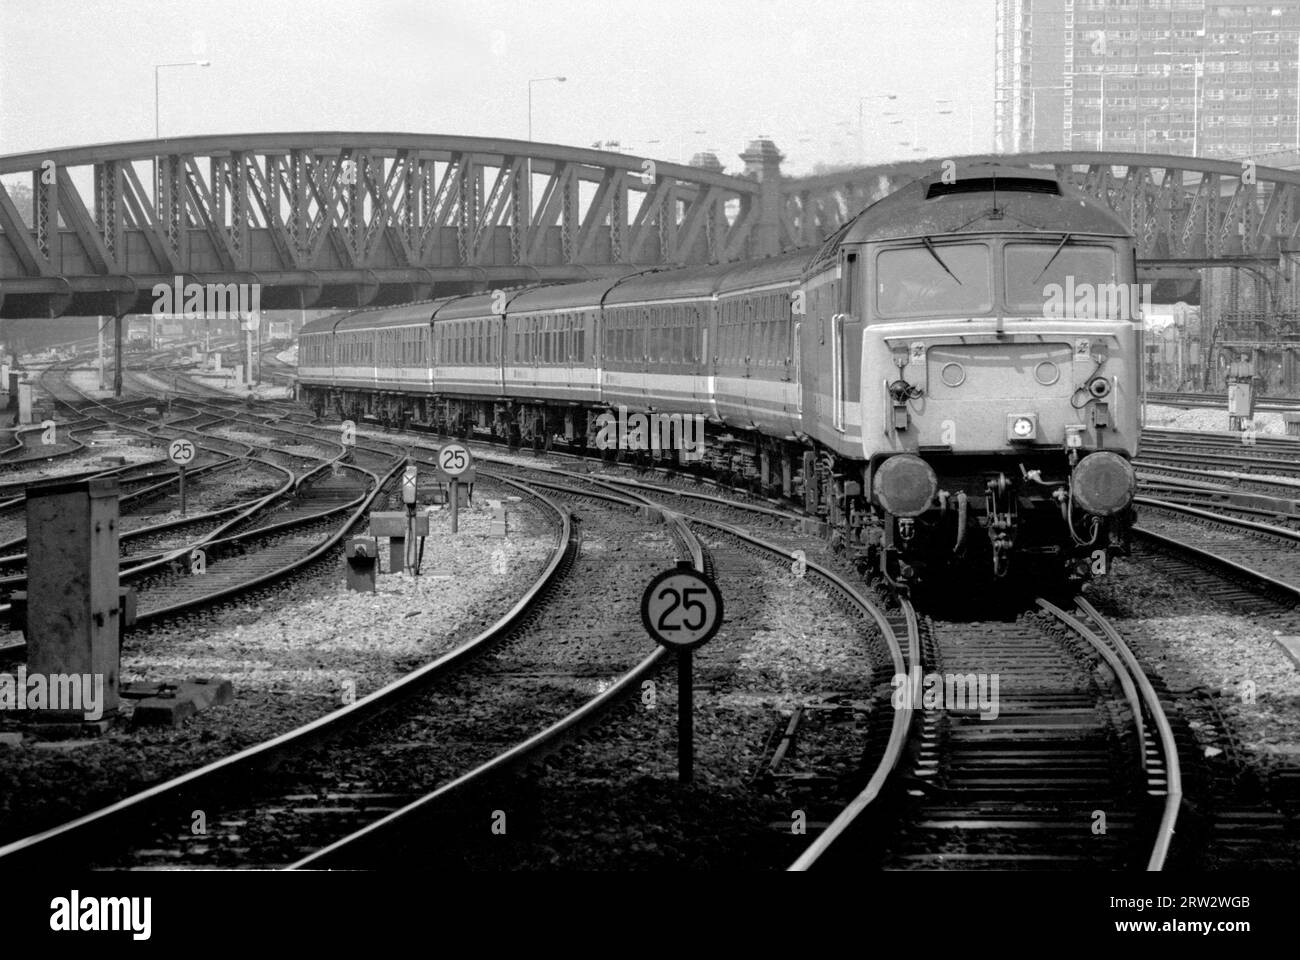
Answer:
(682, 609)
(410, 477)
(454, 459)
(181, 452)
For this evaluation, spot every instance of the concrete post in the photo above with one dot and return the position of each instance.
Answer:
(24, 403)
(72, 594)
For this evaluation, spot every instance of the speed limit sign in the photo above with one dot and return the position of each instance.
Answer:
(181, 452)
(454, 459)
(681, 609)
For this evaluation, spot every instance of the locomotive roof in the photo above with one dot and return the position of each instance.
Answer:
(1028, 200)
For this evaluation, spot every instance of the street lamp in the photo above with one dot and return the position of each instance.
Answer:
(862, 158)
(530, 99)
(1198, 70)
(157, 67)
(1033, 110)
(528, 179)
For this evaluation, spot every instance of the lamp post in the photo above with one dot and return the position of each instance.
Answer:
(530, 99)
(1198, 70)
(528, 180)
(158, 67)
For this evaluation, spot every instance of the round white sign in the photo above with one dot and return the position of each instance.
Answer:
(182, 452)
(454, 459)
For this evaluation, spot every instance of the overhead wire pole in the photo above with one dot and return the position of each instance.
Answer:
(157, 194)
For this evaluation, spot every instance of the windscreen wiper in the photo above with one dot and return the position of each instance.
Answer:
(1064, 240)
(929, 245)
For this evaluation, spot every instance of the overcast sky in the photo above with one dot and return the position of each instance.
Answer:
(76, 72)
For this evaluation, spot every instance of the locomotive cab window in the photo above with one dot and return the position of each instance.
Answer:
(934, 278)
(1042, 276)
(848, 280)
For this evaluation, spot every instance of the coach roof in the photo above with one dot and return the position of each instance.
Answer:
(561, 296)
(322, 324)
(402, 315)
(670, 284)
(787, 268)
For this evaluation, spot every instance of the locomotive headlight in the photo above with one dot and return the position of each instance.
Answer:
(1099, 387)
(904, 485)
(1022, 426)
(1103, 483)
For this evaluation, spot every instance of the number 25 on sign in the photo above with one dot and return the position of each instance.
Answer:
(682, 609)
(181, 452)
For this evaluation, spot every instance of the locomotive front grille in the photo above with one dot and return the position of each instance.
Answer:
(1037, 371)
(970, 390)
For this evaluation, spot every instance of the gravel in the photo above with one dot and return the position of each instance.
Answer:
(291, 658)
(1191, 641)
(1177, 418)
(613, 801)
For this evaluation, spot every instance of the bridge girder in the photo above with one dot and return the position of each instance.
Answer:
(1185, 211)
(347, 219)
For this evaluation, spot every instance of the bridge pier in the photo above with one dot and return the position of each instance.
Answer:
(117, 356)
(763, 163)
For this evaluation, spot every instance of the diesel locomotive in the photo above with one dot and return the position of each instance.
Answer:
(952, 380)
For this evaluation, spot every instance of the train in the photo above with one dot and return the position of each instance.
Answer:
(951, 381)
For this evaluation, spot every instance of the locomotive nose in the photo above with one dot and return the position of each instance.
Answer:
(1103, 483)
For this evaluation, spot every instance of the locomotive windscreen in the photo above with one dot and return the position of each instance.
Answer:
(1037, 272)
(934, 280)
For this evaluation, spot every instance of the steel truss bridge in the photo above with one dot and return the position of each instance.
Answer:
(350, 219)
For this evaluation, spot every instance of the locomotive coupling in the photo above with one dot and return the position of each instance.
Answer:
(905, 485)
(1103, 483)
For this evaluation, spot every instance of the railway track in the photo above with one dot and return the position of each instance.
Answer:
(1218, 400)
(1248, 564)
(400, 709)
(1052, 770)
(215, 555)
